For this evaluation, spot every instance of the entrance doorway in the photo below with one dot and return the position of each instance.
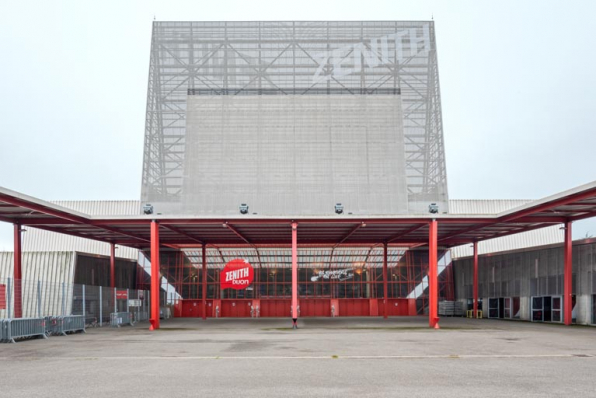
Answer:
(547, 309)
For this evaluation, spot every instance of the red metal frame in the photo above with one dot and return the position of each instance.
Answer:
(204, 262)
(294, 273)
(112, 265)
(18, 273)
(385, 290)
(568, 275)
(475, 286)
(155, 276)
(318, 232)
(433, 285)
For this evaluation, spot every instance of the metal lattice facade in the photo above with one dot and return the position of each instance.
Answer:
(278, 62)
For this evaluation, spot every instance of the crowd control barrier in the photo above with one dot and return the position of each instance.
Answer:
(60, 325)
(118, 319)
(21, 328)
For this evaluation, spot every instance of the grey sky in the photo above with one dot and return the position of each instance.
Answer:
(517, 86)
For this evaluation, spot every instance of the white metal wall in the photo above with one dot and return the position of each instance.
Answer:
(52, 269)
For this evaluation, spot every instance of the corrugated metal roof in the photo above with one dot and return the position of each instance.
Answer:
(539, 237)
(39, 240)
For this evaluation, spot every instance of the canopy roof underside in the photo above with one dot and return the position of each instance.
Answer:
(332, 231)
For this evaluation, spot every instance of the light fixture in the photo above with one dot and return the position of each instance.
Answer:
(433, 208)
(148, 209)
(339, 208)
(243, 208)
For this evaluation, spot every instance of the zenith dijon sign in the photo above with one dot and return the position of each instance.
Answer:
(237, 274)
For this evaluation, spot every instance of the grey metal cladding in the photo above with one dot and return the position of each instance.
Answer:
(276, 59)
(294, 154)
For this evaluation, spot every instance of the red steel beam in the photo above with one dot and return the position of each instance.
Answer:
(385, 290)
(305, 222)
(402, 234)
(433, 285)
(204, 262)
(475, 280)
(43, 209)
(155, 277)
(179, 231)
(295, 275)
(549, 205)
(17, 273)
(112, 265)
(66, 232)
(567, 275)
(8, 220)
(237, 233)
(583, 216)
(45, 221)
(352, 231)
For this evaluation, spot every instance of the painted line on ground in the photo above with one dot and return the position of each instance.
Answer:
(454, 356)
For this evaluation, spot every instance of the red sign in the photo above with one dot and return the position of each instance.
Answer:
(2, 297)
(121, 294)
(237, 274)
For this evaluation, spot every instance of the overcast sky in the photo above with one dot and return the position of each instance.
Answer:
(517, 79)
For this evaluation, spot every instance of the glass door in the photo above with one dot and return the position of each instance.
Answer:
(493, 307)
(557, 309)
(507, 304)
(537, 310)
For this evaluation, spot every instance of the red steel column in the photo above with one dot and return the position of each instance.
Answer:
(475, 282)
(568, 275)
(385, 295)
(112, 265)
(155, 277)
(204, 260)
(18, 273)
(294, 274)
(433, 286)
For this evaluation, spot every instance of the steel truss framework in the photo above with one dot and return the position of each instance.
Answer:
(293, 58)
(335, 233)
(360, 270)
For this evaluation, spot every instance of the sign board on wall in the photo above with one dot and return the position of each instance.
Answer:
(134, 303)
(2, 297)
(237, 274)
(121, 294)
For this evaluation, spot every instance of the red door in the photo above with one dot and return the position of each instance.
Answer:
(354, 307)
(275, 308)
(192, 309)
(235, 308)
(315, 307)
(395, 307)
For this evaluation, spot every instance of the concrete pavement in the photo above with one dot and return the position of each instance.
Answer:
(345, 357)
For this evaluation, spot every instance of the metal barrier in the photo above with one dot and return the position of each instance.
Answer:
(23, 327)
(141, 316)
(165, 313)
(2, 328)
(71, 323)
(120, 318)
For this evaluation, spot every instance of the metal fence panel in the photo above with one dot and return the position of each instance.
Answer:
(23, 327)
